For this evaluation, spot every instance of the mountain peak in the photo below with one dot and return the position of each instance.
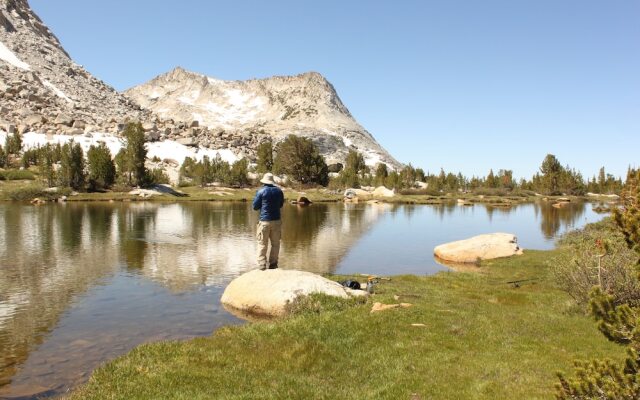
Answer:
(305, 104)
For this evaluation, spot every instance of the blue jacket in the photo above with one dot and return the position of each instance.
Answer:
(269, 199)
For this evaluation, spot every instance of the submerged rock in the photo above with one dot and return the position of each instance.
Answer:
(267, 293)
(481, 247)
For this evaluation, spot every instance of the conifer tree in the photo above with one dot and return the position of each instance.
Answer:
(135, 155)
(602, 181)
(238, 173)
(13, 144)
(72, 172)
(381, 174)
(46, 162)
(3, 158)
(102, 170)
(300, 159)
(551, 170)
(491, 181)
(620, 323)
(265, 157)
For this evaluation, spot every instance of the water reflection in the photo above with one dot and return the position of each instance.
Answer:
(554, 219)
(51, 255)
(83, 283)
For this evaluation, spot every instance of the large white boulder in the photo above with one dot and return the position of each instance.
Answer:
(268, 292)
(382, 191)
(481, 247)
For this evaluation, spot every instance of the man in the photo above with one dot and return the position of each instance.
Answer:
(269, 200)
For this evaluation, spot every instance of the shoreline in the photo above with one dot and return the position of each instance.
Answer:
(500, 328)
(291, 195)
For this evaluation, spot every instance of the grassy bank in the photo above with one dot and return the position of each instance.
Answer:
(483, 338)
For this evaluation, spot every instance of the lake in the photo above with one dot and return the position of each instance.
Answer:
(83, 283)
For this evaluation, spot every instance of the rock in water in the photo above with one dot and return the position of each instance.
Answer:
(267, 293)
(481, 247)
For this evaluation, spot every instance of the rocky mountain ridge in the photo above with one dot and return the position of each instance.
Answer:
(256, 110)
(43, 90)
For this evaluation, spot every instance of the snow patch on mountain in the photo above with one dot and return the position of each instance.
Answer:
(56, 91)
(165, 150)
(8, 56)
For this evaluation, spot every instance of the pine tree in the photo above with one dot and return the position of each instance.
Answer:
(408, 176)
(491, 181)
(420, 175)
(628, 218)
(13, 144)
(551, 170)
(265, 157)
(46, 162)
(601, 181)
(620, 323)
(72, 172)
(135, 155)
(102, 170)
(3, 158)
(381, 174)
(238, 173)
(300, 159)
(393, 180)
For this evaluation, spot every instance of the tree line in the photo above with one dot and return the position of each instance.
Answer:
(299, 159)
(296, 157)
(65, 165)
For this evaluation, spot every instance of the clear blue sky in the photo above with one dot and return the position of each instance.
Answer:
(463, 85)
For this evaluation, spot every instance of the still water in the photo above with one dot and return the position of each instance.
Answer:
(83, 283)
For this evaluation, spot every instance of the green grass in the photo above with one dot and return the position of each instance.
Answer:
(16, 175)
(483, 339)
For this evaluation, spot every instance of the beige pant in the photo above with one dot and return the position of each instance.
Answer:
(268, 231)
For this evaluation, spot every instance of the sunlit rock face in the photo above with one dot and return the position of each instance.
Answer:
(243, 114)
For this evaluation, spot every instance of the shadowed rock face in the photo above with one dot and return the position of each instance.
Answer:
(261, 109)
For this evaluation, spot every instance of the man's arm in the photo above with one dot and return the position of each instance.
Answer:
(281, 198)
(257, 201)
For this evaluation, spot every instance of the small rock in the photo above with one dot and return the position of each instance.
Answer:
(377, 307)
(187, 141)
(79, 124)
(63, 119)
(33, 119)
(303, 201)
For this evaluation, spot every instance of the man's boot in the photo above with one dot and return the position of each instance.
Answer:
(273, 266)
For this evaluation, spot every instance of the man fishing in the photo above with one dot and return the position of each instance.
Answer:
(269, 200)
